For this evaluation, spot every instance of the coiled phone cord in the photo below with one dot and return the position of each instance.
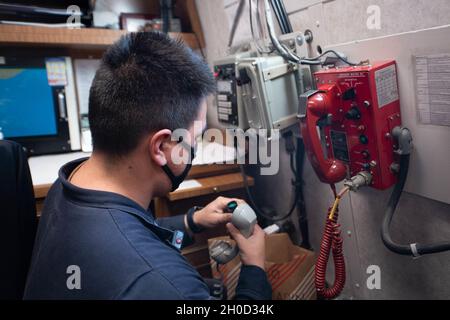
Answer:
(331, 241)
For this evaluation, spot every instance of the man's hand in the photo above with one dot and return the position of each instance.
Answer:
(253, 249)
(213, 214)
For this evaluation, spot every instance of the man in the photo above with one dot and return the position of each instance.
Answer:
(96, 238)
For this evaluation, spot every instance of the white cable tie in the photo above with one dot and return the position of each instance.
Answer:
(414, 250)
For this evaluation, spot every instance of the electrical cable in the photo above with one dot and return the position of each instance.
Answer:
(298, 195)
(282, 50)
(285, 16)
(291, 163)
(255, 40)
(331, 241)
(256, 207)
(336, 202)
(278, 15)
(285, 52)
(302, 213)
(333, 52)
(415, 249)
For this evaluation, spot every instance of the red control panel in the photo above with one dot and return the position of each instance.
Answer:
(357, 108)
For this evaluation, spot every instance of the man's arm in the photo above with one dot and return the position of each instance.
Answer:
(206, 218)
(177, 223)
(153, 285)
(173, 222)
(253, 284)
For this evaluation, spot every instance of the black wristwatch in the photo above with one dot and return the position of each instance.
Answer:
(190, 220)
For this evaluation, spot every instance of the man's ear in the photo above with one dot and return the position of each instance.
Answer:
(158, 144)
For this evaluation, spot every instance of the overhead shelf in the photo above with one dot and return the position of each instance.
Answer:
(71, 38)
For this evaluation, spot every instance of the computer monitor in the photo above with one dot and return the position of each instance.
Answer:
(38, 105)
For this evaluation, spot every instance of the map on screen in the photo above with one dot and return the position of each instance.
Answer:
(26, 103)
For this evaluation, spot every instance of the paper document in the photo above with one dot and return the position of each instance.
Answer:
(84, 73)
(433, 85)
(213, 152)
(189, 184)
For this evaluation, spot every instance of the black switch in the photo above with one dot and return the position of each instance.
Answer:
(350, 94)
(353, 114)
(244, 78)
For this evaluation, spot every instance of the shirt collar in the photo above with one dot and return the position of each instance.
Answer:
(99, 199)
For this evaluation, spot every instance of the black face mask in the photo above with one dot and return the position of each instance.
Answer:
(177, 180)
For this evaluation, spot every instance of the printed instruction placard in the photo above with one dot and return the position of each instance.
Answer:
(387, 88)
(433, 89)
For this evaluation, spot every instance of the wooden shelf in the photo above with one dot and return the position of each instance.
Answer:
(197, 171)
(40, 191)
(211, 185)
(207, 170)
(71, 38)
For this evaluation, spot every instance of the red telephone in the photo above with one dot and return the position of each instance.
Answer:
(357, 107)
(318, 107)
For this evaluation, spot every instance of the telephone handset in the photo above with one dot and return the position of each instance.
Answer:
(317, 106)
(244, 219)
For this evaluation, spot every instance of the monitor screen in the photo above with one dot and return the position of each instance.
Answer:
(27, 107)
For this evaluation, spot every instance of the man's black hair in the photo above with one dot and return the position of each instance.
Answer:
(146, 82)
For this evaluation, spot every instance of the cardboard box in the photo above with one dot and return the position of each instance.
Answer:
(290, 269)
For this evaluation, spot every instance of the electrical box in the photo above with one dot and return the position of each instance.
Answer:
(356, 108)
(270, 89)
(228, 98)
(260, 90)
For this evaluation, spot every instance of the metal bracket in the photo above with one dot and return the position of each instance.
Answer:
(303, 102)
(279, 71)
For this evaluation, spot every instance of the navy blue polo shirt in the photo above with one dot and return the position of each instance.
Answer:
(101, 245)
